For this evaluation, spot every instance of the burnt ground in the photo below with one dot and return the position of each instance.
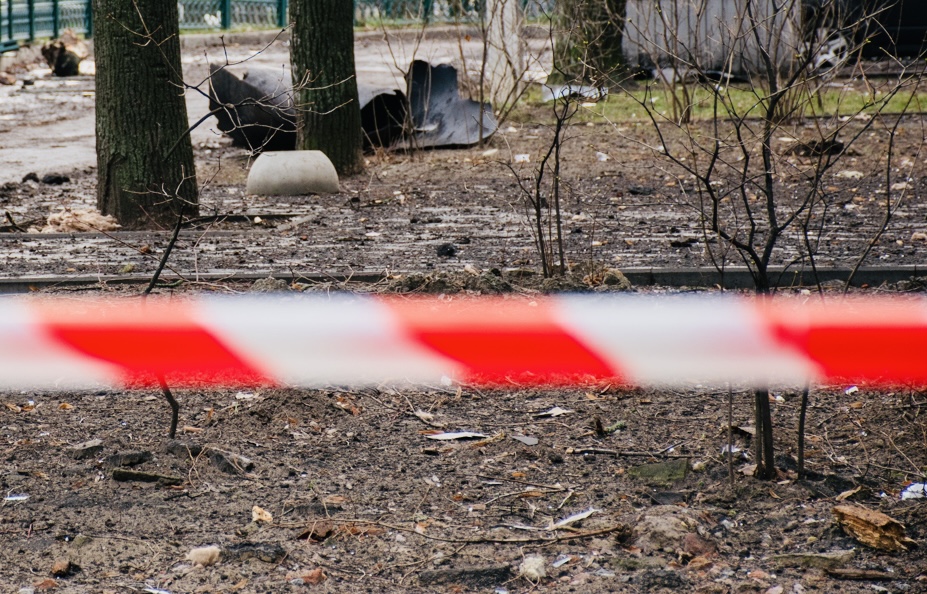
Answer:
(361, 499)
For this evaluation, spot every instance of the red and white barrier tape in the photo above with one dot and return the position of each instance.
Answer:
(349, 340)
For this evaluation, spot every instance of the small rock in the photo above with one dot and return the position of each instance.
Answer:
(696, 546)
(184, 449)
(447, 250)
(229, 462)
(918, 236)
(828, 560)
(269, 285)
(614, 279)
(659, 579)
(55, 179)
(62, 568)
(131, 458)
(663, 528)
(7, 79)
(31, 176)
(88, 449)
(205, 556)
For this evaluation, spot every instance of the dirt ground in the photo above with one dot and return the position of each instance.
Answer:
(360, 499)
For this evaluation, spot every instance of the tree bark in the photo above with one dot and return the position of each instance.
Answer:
(322, 57)
(144, 155)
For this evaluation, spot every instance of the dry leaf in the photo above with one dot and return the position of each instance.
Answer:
(848, 494)
(346, 405)
(872, 528)
(314, 576)
(335, 500)
(65, 406)
(13, 407)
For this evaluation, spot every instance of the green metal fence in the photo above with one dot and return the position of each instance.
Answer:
(25, 20)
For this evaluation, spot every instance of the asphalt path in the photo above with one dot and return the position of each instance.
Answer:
(49, 126)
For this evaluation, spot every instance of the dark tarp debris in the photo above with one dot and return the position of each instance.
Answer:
(257, 110)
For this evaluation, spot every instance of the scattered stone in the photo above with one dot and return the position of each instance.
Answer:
(62, 568)
(694, 545)
(662, 472)
(259, 514)
(184, 449)
(919, 236)
(32, 176)
(472, 577)
(310, 578)
(640, 190)
(425, 283)
(205, 556)
(663, 528)
(7, 79)
(563, 284)
(615, 279)
(229, 462)
(132, 458)
(145, 477)
(447, 250)
(262, 551)
(88, 449)
(817, 560)
(488, 283)
(55, 179)
(658, 579)
(269, 285)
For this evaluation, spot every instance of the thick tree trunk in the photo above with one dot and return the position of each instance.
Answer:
(588, 41)
(322, 57)
(144, 156)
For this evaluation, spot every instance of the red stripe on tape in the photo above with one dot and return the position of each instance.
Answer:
(490, 338)
(147, 340)
(852, 341)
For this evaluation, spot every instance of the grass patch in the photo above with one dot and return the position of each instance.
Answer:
(631, 105)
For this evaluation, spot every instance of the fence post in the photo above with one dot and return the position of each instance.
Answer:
(282, 19)
(88, 19)
(56, 18)
(225, 7)
(30, 6)
(9, 18)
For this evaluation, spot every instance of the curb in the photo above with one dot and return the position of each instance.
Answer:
(733, 278)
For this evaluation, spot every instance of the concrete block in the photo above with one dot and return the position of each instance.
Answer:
(292, 173)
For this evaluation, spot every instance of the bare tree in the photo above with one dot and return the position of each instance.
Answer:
(754, 167)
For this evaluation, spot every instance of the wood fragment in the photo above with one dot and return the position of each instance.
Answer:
(862, 574)
(872, 528)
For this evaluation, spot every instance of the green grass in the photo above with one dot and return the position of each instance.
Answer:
(633, 105)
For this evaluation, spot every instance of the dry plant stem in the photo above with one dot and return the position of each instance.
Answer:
(175, 407)
(765, 465)
(481, 540)
(730, 436)
(167, 252)
(801, 431)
